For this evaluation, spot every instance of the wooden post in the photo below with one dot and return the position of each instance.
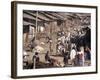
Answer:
(36, 24)
(26, 39)
(50, 36)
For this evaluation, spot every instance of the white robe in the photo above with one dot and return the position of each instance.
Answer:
(72, 54)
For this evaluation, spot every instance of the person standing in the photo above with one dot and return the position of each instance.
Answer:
(35, 59)
(72, 56)
(47, 57)
(81, 56)
(65, 58)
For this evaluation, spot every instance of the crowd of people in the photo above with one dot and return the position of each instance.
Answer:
(73, 58)
(74, 49)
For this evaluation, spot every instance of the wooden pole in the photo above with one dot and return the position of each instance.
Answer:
(26, 39)
(50, 37)
(36, 23)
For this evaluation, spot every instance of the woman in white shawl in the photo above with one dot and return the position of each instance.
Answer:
(72, 55)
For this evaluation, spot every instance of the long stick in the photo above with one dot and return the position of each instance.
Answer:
(36, 22)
